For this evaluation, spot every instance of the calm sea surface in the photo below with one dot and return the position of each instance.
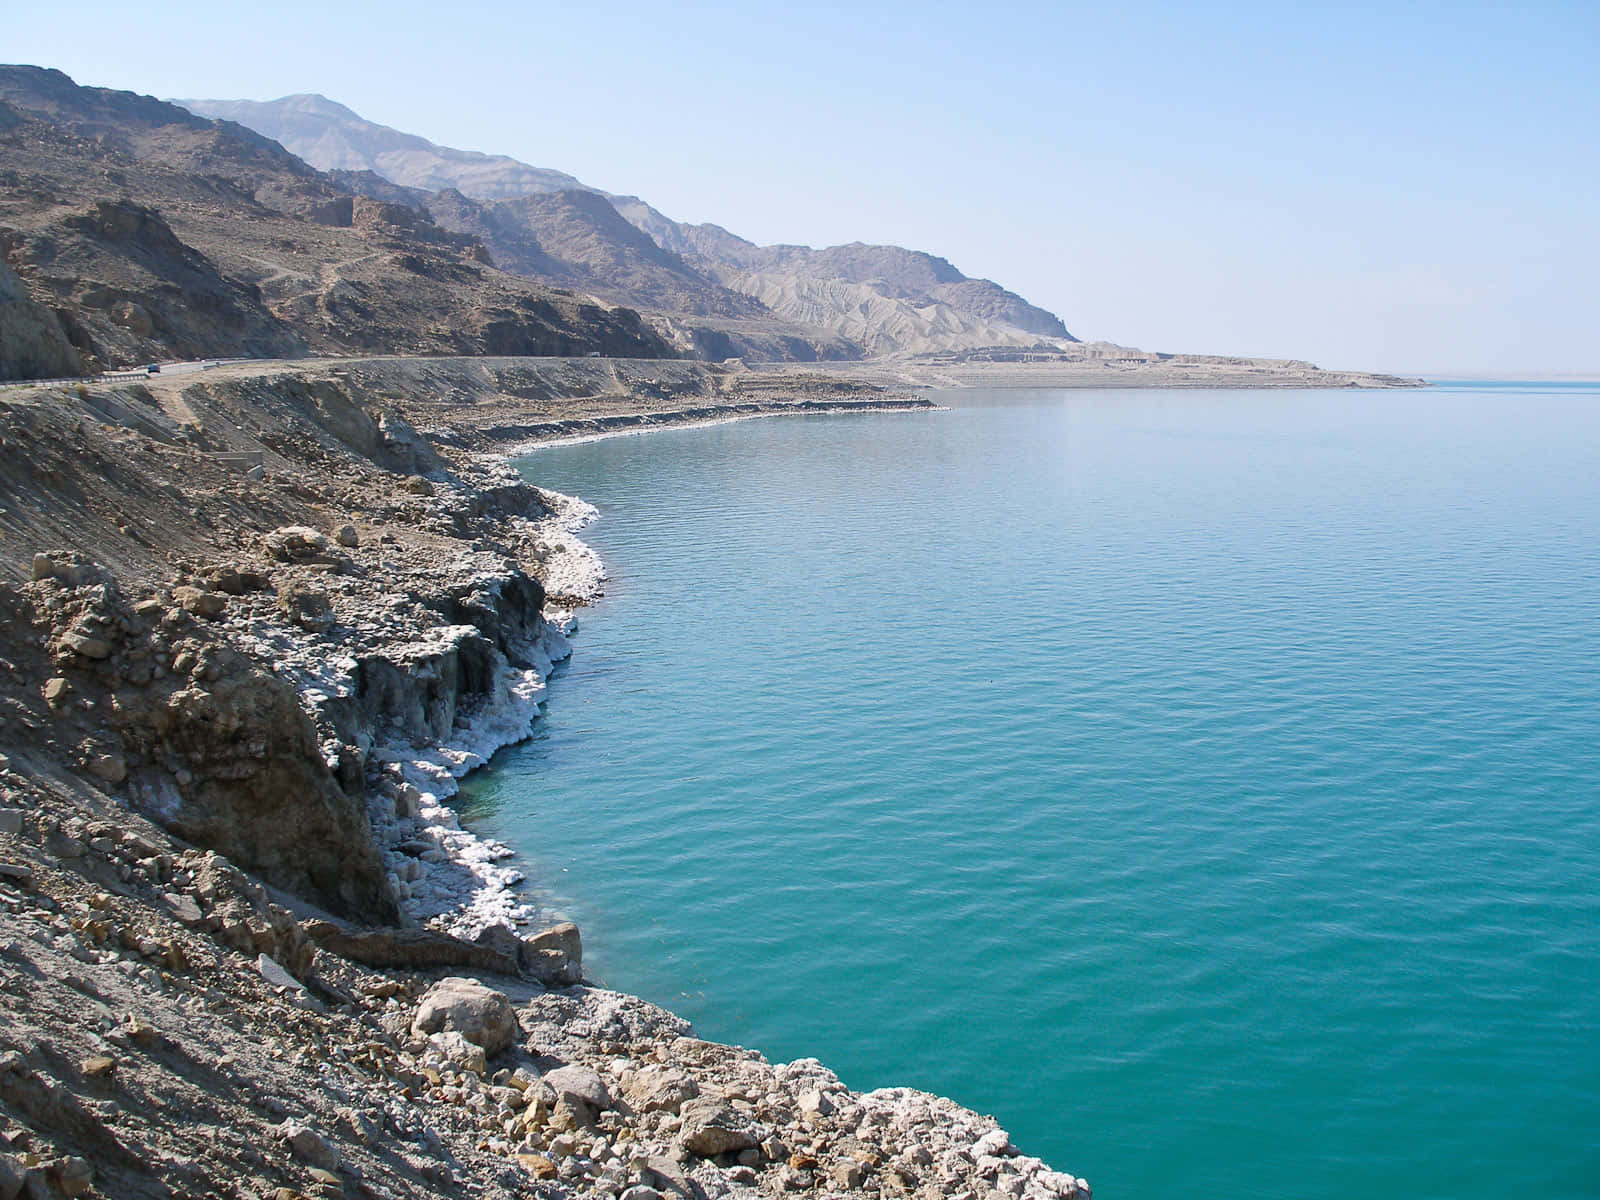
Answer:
(1207, 784)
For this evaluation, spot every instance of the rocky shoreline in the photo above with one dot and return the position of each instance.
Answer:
(258, 623)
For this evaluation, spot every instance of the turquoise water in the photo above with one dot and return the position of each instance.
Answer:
(1205, 784)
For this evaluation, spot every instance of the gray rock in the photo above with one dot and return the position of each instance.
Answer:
(346, 535)
(468, 1056)
(274, 974)
(295, 543)
(309, 1146)
(711, 1127)
(11, 821)
(465, 1006)
(85, 646)
(581, 1084)
(185, 908)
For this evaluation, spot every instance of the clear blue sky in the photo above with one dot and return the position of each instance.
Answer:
(1394, 186)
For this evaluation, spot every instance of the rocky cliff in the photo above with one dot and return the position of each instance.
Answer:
(268, 620)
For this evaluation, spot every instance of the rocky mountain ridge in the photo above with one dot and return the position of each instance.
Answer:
(132, 230)
(862, 299)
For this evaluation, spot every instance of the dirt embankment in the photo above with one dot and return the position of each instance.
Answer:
(255, 620)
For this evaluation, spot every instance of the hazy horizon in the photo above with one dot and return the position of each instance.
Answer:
(1403, 188)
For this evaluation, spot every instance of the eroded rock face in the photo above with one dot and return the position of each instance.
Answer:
(205, 741)
(33, 343)
(465, 1006)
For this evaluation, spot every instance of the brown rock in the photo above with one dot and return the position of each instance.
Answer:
(201, 603)
(711, 1127)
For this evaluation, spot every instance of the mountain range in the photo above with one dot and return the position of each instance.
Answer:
(134, 229)
(548, 225)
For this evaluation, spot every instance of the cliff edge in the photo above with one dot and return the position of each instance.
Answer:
(257, 620)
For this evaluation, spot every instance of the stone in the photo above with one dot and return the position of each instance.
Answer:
(56, 692)
(309, 1146)
(640, 1192)
(201, 603)
(74, 1176)
(468, 1056)
(185, 908)
(43, 567)
(273, 972)
(16, 873)
(581, 1084)
(109, 768)
(465, 1006)
(995, 1143)
(295, 543)
(11, 821)
(814, 1103)
(13, 1176)
(537, 1164)
(99, 1066)
(346, 535)
(86, 646)
(711, 1127)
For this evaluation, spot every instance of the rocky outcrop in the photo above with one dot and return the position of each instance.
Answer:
(153, 233)
(205, 740)
(33, 343)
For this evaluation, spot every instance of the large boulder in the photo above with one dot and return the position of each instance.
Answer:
(711, 1127)
(480, 1014)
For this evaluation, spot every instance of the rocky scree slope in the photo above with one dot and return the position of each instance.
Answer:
(257, 605)
(133, 230)
(839, 302)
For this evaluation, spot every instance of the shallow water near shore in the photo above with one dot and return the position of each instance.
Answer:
(1207, 784)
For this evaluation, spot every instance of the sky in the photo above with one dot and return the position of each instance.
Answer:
(1399, 186)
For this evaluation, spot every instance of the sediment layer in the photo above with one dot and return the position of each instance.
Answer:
(259, 619)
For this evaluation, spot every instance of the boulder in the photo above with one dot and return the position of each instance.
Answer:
(711, 1127)
(309, 1146)
(200, 602)
(465, 1006)
(580, 1084)
(295, 543)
